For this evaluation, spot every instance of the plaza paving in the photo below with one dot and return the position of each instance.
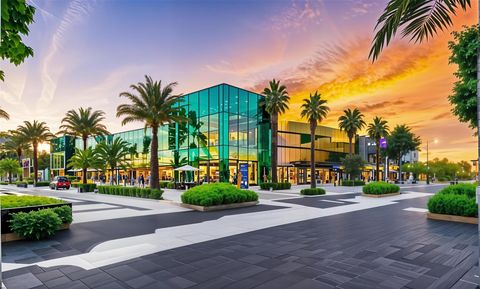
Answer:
(340, 240)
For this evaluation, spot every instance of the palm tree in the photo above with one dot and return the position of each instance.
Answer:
(276, 102)
(9, 166)
(35, 133)
(376, 130)
(17, 144)
(4, 114)
(351, 122)
(84, 159)
(83, 124)
(314, 110)
(155, 106)
(113, 154)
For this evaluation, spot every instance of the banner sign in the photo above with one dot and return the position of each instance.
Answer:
(244, 174)
(383, 143)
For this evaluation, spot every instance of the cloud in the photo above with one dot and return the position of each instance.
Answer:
(297, 16)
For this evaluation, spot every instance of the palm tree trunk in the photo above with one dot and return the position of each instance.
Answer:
(400, 169)
(35, 164)
(84, 170)
(19, 155)
(154, 182)
(377, 172)
(313, 179)
(274, 156)
(478, 113)
(350, 140)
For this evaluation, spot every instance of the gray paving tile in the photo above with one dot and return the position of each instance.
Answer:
(24, 281)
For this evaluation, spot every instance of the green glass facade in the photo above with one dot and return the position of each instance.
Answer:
(61, 150)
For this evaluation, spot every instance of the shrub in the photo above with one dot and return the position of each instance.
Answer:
(164, 184)
(171, 185)
(217, 194)
(453, 204)
(75, 184)
(26, 201)
(42, 184)
(380, 188)
(30, 181)
(312, 192)
(87, 187)
(131, 192)
(351, 183)
(21, 183)
(64, 213)
(3, 183)
(72, 178)
(461, 189)
(276, 186)
(35, 225)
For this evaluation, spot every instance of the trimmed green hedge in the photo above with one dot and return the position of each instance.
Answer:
(131, 192)
(171, 185)
(461, 189)
(164, 184)
(26, 201)
(380, 188)
(452, 204)
(3, 183)
(350, 183)
(217, 194)
(87, 187)
(312, 192)
(276, 186)
(42, 184)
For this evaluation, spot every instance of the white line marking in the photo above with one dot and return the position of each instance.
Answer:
(412, 209)
(330, 201)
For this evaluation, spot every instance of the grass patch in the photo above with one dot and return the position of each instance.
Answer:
(26, 201)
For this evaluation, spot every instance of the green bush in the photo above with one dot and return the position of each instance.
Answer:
(75, 184)
(29, 181)
(351, 183)
(461, 189)
(64, 213)
(131, 192)
(35, 225)
(42, 184)
(276, 186)
(453, 204)
(171, 185)
(3, 183)
(26, 201)
(380, 188)
(164, 184)
(72, 178)
(21, 183)
(217, 194)
(312, 192)
(87, 187)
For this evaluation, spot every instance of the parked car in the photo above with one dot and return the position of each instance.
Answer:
(60, 182)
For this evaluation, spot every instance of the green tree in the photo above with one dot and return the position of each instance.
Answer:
(85, 159)
(16, 15)
(276, 103)
(35, 133)
(401, 141)
(9, 167)
(4, 114)
(84, 123)
(351, 122)
(354, 165)
(416, 168)
(43, 160)
(155, 106)
(376, 130)
(464, 54)
(314, 109)
(17, 144)
(113, 154)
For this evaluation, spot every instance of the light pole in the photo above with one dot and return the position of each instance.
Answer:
(428, 167)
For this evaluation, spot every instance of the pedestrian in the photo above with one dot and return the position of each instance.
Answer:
(132, 181)
(142, 181)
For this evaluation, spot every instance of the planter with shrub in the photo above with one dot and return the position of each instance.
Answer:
(42, 184)
(146, 193)
(380, 189)
(352, 183)
(171, 185)
(3, 183)
(312, 192)
(164, 184)
(86, 188)
(33, 217)
(22, 184)
(218, 196)
(276, 186)
(454, 203)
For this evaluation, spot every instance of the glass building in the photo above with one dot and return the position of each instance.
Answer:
(227, 127)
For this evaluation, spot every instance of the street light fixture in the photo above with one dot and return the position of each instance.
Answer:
(435, 141)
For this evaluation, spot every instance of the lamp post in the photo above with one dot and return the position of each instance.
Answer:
(428, 167)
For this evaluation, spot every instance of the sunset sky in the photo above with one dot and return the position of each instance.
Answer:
(87, 52)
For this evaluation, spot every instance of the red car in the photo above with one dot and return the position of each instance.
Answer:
(60, 182)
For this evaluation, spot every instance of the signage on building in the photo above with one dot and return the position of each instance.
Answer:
(244, 175)
(25, 163)
(383, 143)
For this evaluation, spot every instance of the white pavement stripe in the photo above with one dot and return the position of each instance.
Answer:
(79, 208)
(412, 209)
(331, 201)
(173, 237)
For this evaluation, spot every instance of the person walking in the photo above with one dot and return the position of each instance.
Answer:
(142, 181)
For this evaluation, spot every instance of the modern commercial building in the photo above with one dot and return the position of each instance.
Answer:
(227, 127)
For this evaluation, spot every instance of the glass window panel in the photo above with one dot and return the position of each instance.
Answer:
(243, 102)
(233, 100)
(233, 130)
(203, 102)
(213, 100)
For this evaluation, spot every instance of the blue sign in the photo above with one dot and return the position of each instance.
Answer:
(244, 173)
(383, 143)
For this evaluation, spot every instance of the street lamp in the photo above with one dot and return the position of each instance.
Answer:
(428, 167)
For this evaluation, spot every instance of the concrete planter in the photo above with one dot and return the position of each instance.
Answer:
(10, 237)
(22, 185)
(380, 196)
(452, 218)
(219, 207)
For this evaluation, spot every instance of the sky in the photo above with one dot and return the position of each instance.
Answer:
(87, 52)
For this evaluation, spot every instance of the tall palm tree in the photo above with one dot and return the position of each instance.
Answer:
(113, 154)
(84, 159)
(155, 106)
(35, 133)
(17, 144)
(276, 103)
(4, 114)
(314, 110)
(83, 124)
(351, 122)
(376, 130)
